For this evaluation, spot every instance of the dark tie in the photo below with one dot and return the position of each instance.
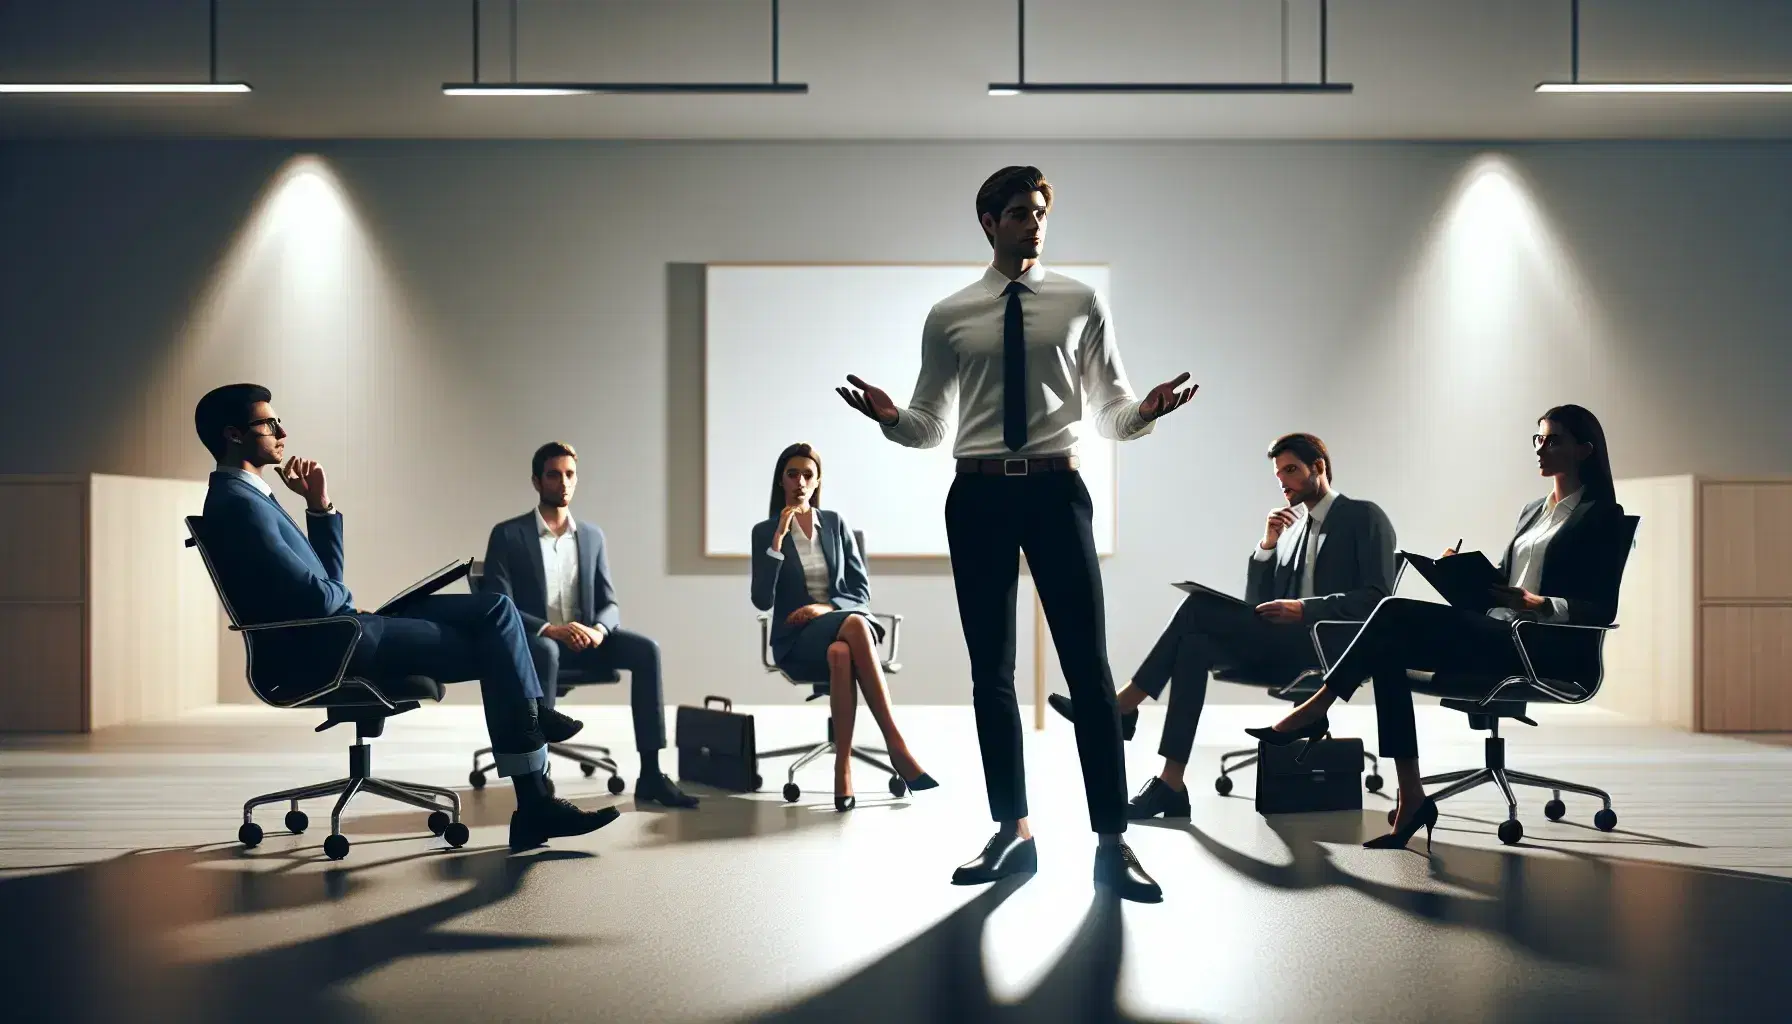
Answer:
(1014, 371)
(1292, 589)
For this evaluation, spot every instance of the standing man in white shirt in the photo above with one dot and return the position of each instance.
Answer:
(1022, 352)
(557, 571)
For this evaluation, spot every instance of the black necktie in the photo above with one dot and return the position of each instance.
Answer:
(1014, 371)
(1292, 590)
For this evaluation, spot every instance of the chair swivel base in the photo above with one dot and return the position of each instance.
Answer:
(1233, 760)
(1511, 830)
(588, 756)
(793, 793)
(443, 805)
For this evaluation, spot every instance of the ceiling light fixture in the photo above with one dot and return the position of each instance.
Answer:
(516, 88)
(1574, 84)
(1324, 86)
(210, 85)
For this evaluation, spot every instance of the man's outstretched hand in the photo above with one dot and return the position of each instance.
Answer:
(869, 400)
(1165, 399)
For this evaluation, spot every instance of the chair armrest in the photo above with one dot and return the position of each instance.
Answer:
(895, 621)
(765, 642)
(347, 623)
(1331, 627)
(1519, 626)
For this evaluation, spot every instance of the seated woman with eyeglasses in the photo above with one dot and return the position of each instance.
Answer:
(809, 572)
(1562, 565)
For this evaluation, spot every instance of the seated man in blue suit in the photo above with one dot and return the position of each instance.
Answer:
(557, 572)
(272, 571)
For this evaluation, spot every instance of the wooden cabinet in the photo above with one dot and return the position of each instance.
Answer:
(105, 617)
(1705, 637)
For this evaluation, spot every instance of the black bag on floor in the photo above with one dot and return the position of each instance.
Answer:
(717, 748)
(1328, 778)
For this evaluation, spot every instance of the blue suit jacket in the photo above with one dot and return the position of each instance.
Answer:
(269, 569)
(513, 567)
(778, 582)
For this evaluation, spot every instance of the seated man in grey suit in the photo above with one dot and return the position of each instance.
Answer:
(1334, 562)
(556, 571)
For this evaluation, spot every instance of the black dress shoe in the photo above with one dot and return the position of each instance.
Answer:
(1155, 798)
(1005, 854)
(1117, 868)
(1129, 722)
(540, 821)
(556, 727)
(660, 789)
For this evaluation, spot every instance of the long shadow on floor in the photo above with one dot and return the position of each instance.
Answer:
(1687, 943)
(99, 942)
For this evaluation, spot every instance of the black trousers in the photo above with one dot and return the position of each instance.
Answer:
(1207, 633)
(1406, 634)
(621, 650)
(989, 521)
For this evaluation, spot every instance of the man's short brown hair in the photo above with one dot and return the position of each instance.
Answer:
(551, 450)
(1005, 184)
(1307, 448)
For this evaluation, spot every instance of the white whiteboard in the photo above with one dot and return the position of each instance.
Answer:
(779, 339)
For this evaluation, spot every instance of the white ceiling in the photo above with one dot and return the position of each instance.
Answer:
(899, 69)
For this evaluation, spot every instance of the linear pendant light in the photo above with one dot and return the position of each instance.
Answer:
(210, 85)
(1021, 85)
(516, 88)
(1574, 84)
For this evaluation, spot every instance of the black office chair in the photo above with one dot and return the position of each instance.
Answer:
(1303, 685)
(309, 659)
(1506, 697)
(821, 689)
(589, 756)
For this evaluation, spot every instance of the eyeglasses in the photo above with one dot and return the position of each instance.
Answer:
(270, 422)
(1542, 441)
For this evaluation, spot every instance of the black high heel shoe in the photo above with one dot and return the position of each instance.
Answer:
(920, 782)
(1312, 732)
(1426, 815)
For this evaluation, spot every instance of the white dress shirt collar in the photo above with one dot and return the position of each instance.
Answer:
(542, 529)
(997, 282)
(254, 479)
(1321, 509)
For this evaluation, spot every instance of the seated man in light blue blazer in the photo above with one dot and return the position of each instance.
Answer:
(556, 570)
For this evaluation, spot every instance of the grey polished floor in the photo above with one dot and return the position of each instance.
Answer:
(123, 896)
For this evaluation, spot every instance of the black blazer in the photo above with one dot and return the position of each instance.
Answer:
(513, 567)
(1584, 562)
(778, 582)
(1352, 570)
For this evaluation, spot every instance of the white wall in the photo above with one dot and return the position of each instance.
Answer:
(489, 296)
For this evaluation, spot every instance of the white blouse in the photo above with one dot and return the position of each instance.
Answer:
(1528, 550)
(814, 560)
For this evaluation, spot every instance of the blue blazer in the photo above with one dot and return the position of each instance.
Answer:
(269, 569)
(513, 567)
(778, 581)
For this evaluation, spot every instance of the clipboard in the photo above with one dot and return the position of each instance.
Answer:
(1191, 587)
(426, 586)
(1462, 579)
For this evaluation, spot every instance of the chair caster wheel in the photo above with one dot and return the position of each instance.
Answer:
(1511, 831)
(616, 785)
(249, 835)
(1372, 783)
(791, 793)
(587, 770)
(438, 822)
(336, 846)
(1223, 785)
(758, 783)
(1554, 810)
(457, 834)
(897, 786)
(476, 780)
(1605, 820)
(296, 822)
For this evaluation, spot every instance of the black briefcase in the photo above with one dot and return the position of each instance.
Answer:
(1328, 777)
(717, 748)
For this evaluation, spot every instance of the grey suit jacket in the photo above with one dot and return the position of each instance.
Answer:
(513, 567)
(1353, 568)
(778, 582)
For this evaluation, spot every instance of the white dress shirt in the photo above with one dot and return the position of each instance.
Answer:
(1310, 524)
(1072, 361)
(1527, 558)
(813, 560)
(560, 565)
(256, 481)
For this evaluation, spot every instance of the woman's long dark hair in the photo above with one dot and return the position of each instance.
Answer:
(801, 449)
(1596, 469)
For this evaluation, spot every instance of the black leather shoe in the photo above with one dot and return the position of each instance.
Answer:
(1002, 856)
(556, 727)
(1129, 722)
(538, 822)
(660, 789)
(1117, 868)
(1155, 798)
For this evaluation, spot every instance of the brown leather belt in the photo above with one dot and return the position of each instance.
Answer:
(1019, 467)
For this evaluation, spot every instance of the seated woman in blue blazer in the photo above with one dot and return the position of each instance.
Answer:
(1563, 564)
(810, 574)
